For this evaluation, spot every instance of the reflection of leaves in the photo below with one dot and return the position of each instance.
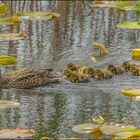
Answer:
(38, 15)
(3, 9)
(129, 25)
(126, 134)
(7, 60)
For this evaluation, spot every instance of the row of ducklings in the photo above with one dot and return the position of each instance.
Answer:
(72, 74)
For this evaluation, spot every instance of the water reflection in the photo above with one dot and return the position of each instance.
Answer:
(55, 109)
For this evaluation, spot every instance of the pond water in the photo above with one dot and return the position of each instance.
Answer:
(53, 110)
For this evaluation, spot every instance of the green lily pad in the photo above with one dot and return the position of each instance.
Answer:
(7, 60)
(129, 25)
(107, 128)
(16, 133)
(126, 134)
(38, 15)
(8, 104)
(12, 36)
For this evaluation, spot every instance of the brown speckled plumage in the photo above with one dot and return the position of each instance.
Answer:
(28, 78)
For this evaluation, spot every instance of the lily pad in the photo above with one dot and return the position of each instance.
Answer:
(126, 134)
(7, 60)
(16, 133)
(12, 36)
(106, 128)
(129, 25)
(131, 92)
(9, 21)
(8, 104)
(3, 9)
(38, 15)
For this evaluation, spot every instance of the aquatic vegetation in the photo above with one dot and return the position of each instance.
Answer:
(3, 9)
(101, 47)
(14, 21)
(16, 133)
(135, 54)
(126, 134)
(8, 104)
(13, 36)
(7, 60)
(131, 92)
(129, 25)
(38, 15)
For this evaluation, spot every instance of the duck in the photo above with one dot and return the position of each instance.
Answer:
(29, 78)
(126, 66)
(71, 67)
(115, 70)
(134, 70)
(107, 74)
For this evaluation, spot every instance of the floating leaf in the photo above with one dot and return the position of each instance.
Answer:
(9, 21)
(8, 104)
(99, 120)
(96, 133)
(107, 128)
(126, 134)
(7, 60)
(135, 54)
(38, 15)
(16, 133)
(131, 92)
(12, 36)
(129, 25)
(3, 9)
(44, 138)
(101, 47)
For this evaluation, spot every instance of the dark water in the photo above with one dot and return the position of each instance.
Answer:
(52, 111)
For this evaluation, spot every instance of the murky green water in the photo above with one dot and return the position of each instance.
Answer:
(53, 110)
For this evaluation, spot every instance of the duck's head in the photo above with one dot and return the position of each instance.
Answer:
(67, 73)
(98, 74)
(74, 78)
(111, 67)
(126, 66)
(91, 71)
(71, 66)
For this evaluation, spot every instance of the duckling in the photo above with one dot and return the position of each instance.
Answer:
(29, 78)
(74, 78)
(107, 74)
(71, 67)
(126, 66)
(134, 70)
(90, 72)
(115, 70)
(98, 74)
(67, 73)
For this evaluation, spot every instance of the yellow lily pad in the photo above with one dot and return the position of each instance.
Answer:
(107, 128)
(7, 60)
(12, 36)
(131, 92)
(38, 15)
(135, 54)
(8, 104)
(3, 9)
(129, 25)
(126, 134)
(9, 21)
(16, 133)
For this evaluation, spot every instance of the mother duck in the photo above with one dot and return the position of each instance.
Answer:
(28, 78)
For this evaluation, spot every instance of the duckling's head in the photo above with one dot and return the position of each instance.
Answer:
(133, 68)
(67, 73)
(98, 74)
(74, 78)
(126, 66)
(71, 66)
(91, 71)
(111, 67)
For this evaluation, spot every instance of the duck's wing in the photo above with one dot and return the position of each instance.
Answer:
(4, 81)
